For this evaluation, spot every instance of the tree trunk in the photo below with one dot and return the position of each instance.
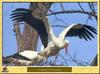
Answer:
(29, 38)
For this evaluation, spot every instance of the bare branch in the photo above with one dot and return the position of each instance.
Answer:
(64, 59)
(80, 6)
(76, 61)
(60, 20)
(59, 26)
(62, 7)
(74, 11)
(91, 6)
(18, 35)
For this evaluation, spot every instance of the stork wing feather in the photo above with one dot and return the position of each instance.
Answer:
(25, 15)
(79, 30)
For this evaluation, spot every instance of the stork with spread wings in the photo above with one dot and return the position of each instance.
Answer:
(51, 43)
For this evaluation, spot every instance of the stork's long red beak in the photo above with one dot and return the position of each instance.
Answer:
(66, 49)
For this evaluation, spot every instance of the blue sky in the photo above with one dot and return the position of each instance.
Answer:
(84, 50)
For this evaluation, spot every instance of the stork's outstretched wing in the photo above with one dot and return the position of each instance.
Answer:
(25, 15)
(79, 30)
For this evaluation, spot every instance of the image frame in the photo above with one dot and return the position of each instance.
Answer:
(62, 70)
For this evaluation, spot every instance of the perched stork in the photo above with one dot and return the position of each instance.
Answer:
(23, 58)
(51, 43)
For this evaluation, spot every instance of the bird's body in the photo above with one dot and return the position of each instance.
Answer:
(51, 43)
(50, 50)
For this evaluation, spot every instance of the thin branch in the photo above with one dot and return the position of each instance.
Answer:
(89, 17)
(64, 59)
(60, 20)
(78, 62)
(80, 6)
(91, 6)
(62, 6)
(18, 35)
(74, 11)
(59, 26)
(54, 61)
(74, 60)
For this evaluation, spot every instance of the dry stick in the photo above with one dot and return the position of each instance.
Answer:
(59, 26)
(55, 58)
(62, 6)
(60, 20)
(74, 59)
(18, 35)
(91, 6)
(64, 59)
(87, 19)
(74, 11)
(80, 6)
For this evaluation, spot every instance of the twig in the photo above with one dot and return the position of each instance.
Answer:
(87, 19)
(74, 60)
(18, 35)
(62, 7)
(80, 6)
(59, 26)
(54, 61)
(60, 20)
(64, 59)
(92, 7)
(74, 11)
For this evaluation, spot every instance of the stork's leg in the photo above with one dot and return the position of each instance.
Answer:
(46, 61)
(66, 49)
(56, 58)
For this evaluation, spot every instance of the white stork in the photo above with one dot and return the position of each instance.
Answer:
(51, 43)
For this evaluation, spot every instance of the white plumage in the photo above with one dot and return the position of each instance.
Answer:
(29, 54)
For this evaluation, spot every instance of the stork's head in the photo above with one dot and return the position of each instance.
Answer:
(66, 42)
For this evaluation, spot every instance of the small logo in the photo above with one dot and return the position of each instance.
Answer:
(5, 69)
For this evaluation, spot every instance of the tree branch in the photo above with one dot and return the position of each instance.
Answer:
(59, 26)
(18, 35)
(74, 11)
(80, 6)
(62, 6)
